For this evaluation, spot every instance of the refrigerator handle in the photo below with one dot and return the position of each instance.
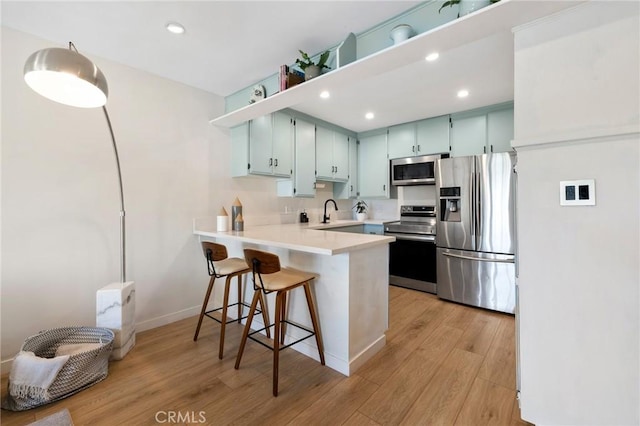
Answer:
(478, 259)
(478, 204)
(472, 207)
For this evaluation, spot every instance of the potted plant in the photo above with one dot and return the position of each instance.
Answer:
(310, 68)
(361, 210)
(467, 6)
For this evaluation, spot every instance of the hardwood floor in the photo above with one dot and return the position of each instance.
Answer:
(443, 364)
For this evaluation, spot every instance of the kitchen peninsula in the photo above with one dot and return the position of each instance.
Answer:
(351, 288)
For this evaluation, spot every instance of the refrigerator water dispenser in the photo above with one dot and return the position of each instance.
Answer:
(450, 204)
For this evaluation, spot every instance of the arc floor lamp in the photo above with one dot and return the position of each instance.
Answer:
(67, 77)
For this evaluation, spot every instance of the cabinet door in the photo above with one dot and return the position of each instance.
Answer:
(402, 140)
(432, 136)
(305, 159)
(260, 156)
(353, 168)
(324, 153)
(282, 144)
(240, 150)
(468, 135)
(340, 157)
(373, 167)
(500, 130)
(349, 189)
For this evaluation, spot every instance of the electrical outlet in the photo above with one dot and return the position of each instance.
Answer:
(578, 192)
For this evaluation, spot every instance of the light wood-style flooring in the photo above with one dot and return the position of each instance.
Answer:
(443, 364)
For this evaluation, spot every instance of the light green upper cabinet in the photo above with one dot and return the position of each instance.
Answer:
(432, 135)
(482, 131)
(373, 167)
(282, 138)
(468, 135)
(271, 145)
(260, 146)
(500, 130)
(424, 137)
(349, 189)
(240, 150)
(341, 156)
(402, 140)
(305, 159)
(332, 155)
(324, 153)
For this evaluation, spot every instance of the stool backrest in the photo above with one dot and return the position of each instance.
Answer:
(213, 253)
(261, 262)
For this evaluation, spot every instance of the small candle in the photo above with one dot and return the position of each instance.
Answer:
(223, 221)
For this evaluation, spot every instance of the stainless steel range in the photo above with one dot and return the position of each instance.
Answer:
(412, 257)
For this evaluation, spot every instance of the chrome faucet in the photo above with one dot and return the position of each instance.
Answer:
(325, 218)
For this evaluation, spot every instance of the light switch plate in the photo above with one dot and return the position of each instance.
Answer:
(578, 192)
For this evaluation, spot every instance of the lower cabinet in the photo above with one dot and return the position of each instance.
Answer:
(373, 166)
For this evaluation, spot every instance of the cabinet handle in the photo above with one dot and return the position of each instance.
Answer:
(384, 187)
(351, 188)
(270, 162)
(418, 148)
(491, 148)
(413, 148)
(484, 148)
(275, 163)
(336, 169)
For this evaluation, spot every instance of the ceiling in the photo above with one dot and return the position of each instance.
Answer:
(227, 46)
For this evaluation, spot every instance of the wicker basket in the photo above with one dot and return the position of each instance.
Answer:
(82, 370)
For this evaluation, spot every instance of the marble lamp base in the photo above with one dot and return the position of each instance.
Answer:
(115, 309)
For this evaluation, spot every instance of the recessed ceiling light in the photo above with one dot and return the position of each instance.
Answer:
(369, 116)
(463, 93)
(432, 56)
(324, 94)
(174, 27)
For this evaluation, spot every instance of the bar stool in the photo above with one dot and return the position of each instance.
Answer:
(220, 265)
(269, 277)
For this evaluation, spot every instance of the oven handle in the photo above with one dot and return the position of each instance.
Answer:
(479, 259)
(425, 238)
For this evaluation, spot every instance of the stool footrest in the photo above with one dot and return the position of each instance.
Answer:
(229, 321)
(257, 340)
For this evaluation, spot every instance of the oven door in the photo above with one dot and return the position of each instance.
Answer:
(412, 262)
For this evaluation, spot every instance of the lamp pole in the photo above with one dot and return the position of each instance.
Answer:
(123, 274)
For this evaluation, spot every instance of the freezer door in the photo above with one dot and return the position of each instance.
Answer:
(485, 280)
(454, 180)
(495, 211)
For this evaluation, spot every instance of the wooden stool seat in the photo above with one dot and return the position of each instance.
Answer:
(286, 278)
(269, 277)
(219, 265)
(231, 265)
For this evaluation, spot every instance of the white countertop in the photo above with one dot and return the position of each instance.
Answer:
(307, 237)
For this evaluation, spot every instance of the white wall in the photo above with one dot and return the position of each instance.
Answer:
(60, 222)
(577, 116)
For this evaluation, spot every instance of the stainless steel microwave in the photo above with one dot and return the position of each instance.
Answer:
(415, 170)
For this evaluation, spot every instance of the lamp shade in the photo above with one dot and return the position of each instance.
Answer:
(67, 77)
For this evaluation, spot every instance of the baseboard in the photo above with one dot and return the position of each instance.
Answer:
(368, 353)
(167, 319)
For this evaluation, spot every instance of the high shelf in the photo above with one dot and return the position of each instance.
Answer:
(398, 85)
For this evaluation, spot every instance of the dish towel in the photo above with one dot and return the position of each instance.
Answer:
(32, 375)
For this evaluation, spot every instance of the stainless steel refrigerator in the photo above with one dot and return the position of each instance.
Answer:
(475, 230)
